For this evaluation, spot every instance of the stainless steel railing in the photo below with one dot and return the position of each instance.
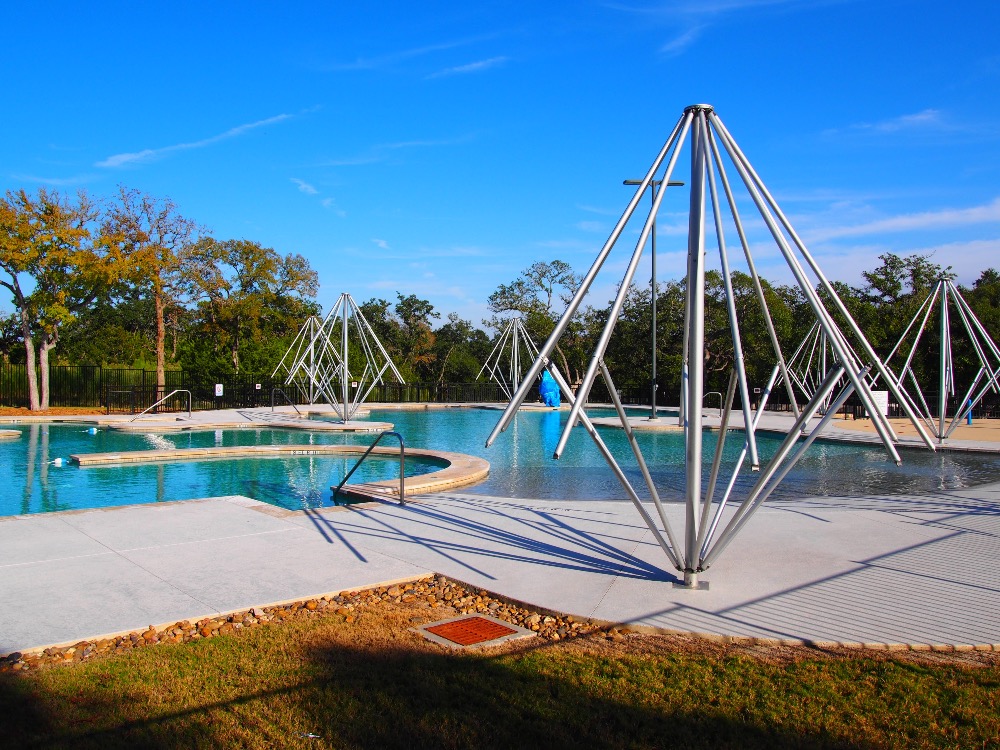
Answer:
(179, 390)
(402, 466)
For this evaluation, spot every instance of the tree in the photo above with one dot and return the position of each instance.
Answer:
(246, 290)
(52, 244)
(459, 348)
(532, 295)
(10, 337)
(153, 237)
(415, 316)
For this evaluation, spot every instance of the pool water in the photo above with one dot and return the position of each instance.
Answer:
(521, 463)
(35, 485)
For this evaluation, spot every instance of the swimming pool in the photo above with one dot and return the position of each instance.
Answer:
(521, 463)
(36, 485)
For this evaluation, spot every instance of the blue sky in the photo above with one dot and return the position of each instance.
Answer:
(438, 149)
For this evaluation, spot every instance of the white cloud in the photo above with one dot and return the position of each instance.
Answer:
(150, 154)
(391, 58)
(381, 244)
(331, 205)
(380, 152)
(473, 67)
(945, 218)
(592, 226)
(678, 45)
(55, 181)
(304, 186)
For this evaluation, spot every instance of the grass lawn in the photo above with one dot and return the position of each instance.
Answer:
(323, 682)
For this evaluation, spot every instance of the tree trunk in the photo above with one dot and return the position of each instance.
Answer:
(161, 336)
(29, 368)
(444, 365)
(565, 365)
(48, 342)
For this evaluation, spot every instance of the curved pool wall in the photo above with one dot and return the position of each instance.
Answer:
(521, 463)
(34, 484)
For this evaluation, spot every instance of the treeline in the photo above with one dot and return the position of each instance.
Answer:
(129, 281)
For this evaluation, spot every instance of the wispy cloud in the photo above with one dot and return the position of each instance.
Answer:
(679, 44)
(473, 67)
(304, 186)
(592, 226)
(691, 19)
(55, 181)
(381, 244)
(391, 58)
(331, 205)
(599, 210)
(151, 154)
(381, 151)
(925, 121)
(943, 219)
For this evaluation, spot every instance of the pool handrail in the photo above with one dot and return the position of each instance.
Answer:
(714, 393)
(278, 390)
(178, 390)
(402, 465)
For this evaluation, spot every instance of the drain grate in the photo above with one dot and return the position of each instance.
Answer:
(474, 630)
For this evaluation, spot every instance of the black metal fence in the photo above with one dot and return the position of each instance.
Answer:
(132, 390)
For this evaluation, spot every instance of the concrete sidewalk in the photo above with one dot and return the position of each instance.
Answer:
(879, 570)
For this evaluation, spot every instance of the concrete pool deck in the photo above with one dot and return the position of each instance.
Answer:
(900, 571)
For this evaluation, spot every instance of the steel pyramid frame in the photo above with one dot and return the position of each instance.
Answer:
(513, 342)
(711, 523)
(317, 367)
(987, 353)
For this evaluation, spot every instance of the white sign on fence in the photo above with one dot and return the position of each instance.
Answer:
(881, 399)
(218, 389)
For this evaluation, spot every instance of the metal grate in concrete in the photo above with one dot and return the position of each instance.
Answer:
(472, 630)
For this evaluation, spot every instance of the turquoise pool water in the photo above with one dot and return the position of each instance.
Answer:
(35, 485)
(521, 463)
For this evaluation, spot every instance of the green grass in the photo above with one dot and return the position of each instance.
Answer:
(375, 684)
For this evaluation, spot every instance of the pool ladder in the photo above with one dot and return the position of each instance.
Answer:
(402, 466)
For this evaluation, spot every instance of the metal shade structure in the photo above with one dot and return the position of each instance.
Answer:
(318, 361)
(515, 349)
(945, 299)
(711, 521)
(810, 364)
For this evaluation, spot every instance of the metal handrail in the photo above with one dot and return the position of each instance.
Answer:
(179, 390)
(278, 390)
(714, 393)
(402, 466)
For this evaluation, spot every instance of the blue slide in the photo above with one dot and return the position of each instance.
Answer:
(548, 389)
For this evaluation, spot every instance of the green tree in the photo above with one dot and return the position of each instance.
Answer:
(418, 338)
(246, 292)
(533, 295)
(56, 263)
(459, 348)
(153, 237)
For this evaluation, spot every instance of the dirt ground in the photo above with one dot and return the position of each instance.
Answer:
(980, 429)
(55, 411)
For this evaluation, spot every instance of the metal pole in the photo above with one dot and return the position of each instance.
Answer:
(673, 142)
(654, 184)
(696, 346)
(943, 358)
(346, 372)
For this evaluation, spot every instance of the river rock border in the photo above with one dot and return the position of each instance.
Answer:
(435, 592)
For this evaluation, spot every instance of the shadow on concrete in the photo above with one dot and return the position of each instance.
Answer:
(545, 538)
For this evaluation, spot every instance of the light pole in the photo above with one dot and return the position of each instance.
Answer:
(654, 184)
